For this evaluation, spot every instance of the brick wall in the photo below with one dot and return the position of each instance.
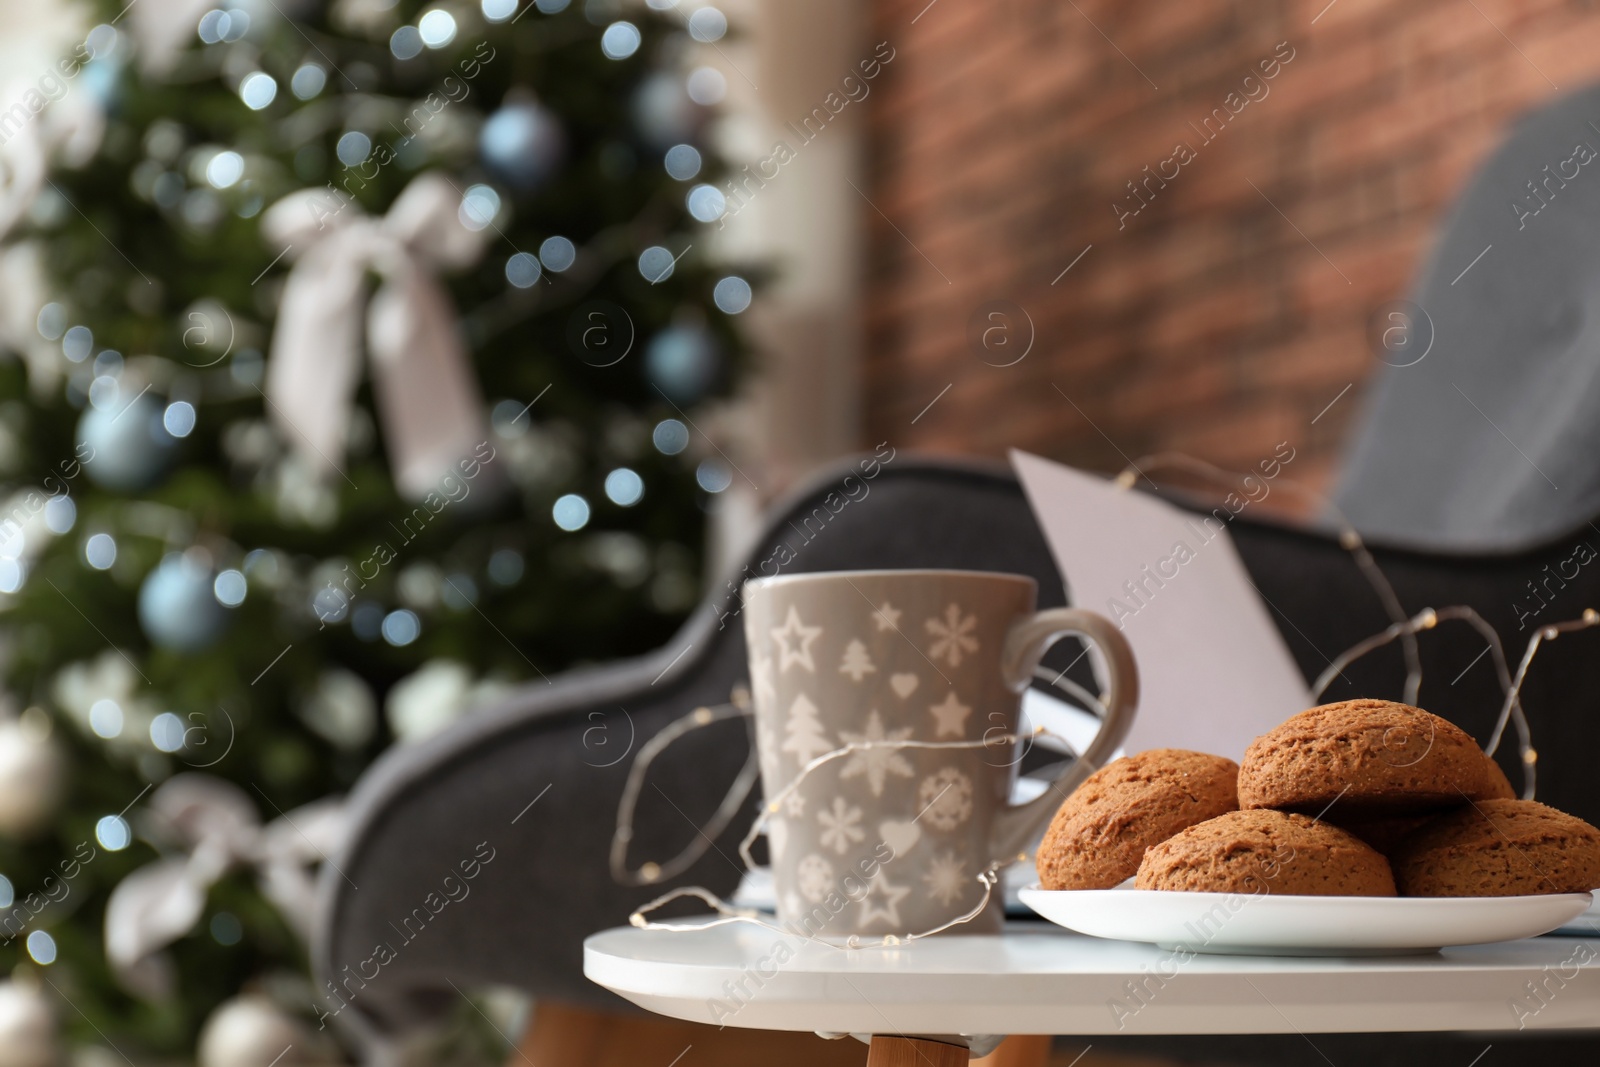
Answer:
(1211, 321)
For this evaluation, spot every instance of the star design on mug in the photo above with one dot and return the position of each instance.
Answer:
(950, 717)
(891, 894)
(793, 630)
(887, 616)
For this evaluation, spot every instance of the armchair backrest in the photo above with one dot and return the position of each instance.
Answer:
(525, 794)
(1483, 432)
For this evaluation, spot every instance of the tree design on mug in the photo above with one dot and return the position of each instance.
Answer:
(857, 663)
(805, 737)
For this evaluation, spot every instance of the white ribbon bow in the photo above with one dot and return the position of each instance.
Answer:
(67, 129)
(216, 824)
(23, 163)
(164, 28)
(427, 396)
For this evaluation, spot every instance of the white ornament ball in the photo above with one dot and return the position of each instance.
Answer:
(178, 608)
(32, 774)
(522, 143)
(252, 1031)
(428, 700)
(683, 362)
(342, 709)
(663, 111)
(127, 446)
(28, 1034)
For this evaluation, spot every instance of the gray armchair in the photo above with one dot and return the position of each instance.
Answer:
(525, 794)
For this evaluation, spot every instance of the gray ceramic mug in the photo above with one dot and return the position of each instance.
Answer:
(890, 840)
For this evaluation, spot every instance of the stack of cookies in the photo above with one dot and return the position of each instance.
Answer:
(1359, 798)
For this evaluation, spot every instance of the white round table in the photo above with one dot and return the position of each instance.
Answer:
(948, 992)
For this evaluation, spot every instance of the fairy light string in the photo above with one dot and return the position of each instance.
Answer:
(775, 803)
(1530, 755)
(739, 706)
(1511, 710)
(650, 872)
(1349, 540)
(727, 913)
(1403, 628)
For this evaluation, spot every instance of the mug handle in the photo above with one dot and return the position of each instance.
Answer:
(1026, 643)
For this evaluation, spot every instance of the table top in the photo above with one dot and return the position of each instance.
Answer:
(1040, 979)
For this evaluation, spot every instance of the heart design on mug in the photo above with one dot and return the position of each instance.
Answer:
(899, 836)
(903, 684)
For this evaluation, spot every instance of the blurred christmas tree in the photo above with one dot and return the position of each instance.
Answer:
(358, 392)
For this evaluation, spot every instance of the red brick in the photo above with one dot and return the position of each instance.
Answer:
(1002, 136)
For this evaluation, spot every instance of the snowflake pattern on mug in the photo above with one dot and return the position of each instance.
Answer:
(814, 877)
(952, 635)
(946, 878)
(945, 798)
(879, 762)
(856, 663)
(841, 827)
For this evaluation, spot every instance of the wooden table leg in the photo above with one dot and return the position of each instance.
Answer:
(889, 1051)
(1018, 1050)
(565, 1035)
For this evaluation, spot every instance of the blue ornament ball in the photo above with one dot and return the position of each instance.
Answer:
(522, 143)
(683, 362)
(663, 112)
(178, 609)
(125, 446)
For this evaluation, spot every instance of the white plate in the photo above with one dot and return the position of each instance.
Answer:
(1273, 925)
(1586, 924)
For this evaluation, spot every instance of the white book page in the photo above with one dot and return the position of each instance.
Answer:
(1214, 672)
